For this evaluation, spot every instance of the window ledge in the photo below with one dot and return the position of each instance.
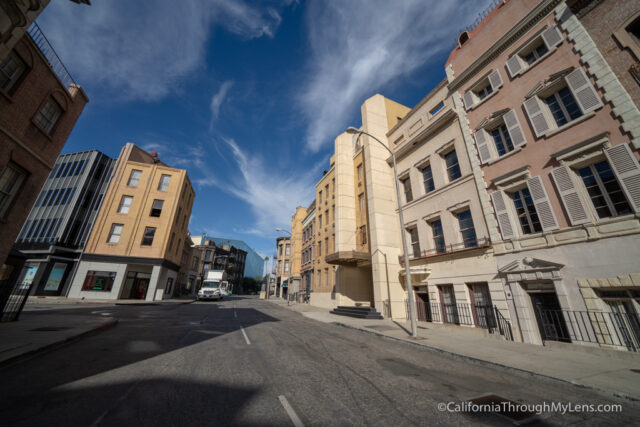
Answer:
(509, 154)
(572, 123)
(483, 100)
(539, 60)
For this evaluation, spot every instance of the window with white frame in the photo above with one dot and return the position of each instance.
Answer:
(561, 101)
(125, 204)
(482, 89)
(604, 191)
(451, 163)
(499, 136)
(406, 186)
(427, 178)
(414, 241)
(467, 230)
(287, 250)
(286, 267)
(134, 178)
(11, 68)
(534, 50)
(438, 235)
(526, 212)
(164, 183)
(116, 231)
(48, 115)
(10, 181)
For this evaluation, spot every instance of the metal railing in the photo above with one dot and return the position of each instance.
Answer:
(615, 329)
(482, 242)
(50, 54)
(478, 315)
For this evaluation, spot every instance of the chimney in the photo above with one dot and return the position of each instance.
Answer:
(154, 154)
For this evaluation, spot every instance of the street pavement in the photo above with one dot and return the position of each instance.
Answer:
(244, 361)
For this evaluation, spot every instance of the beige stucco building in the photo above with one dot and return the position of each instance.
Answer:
(555, 135)
(451, 256)
(135, 248)
(283, 263)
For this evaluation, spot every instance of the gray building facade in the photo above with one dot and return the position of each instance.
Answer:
(60, 221)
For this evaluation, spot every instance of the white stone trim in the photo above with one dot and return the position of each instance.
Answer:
(605, 79)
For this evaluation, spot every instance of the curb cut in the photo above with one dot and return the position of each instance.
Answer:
(109, 323)
(488, 362)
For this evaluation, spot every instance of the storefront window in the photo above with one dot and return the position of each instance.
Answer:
(99, 281)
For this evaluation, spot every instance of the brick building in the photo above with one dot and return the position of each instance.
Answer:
(39, 108)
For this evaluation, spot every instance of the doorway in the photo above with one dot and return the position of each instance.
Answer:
(550, 316)
(424, 307)
(138, 284)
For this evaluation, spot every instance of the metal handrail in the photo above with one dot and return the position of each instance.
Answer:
(50, 55)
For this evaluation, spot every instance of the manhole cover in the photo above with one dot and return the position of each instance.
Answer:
(51, 328)
(510, 409)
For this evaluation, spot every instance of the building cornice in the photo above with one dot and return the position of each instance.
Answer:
(531, 19)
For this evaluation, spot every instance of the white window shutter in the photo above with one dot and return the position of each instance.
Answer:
(514, 66)
(468, 100)
(502, 214)
(552, 37)
(585, 94)
(627, 169)
(569, 196)
(542, 203)
(483, 145)
(533, 107)
(495, 79)
(514, 128)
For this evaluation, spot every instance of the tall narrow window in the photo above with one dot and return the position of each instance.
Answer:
(526, 211)
(164, 183)
(11, 68)
(147, 238)
(116, 231)
(48, 115)
(467, 230)
(563, 106)
(427, 177)
(125, 204)
(502, 140)
(359, 172)
(406, 184)
(287, 250)
(415, 243)
(363, 235)
(453, 168)
(438, 236)
(134, 178)
(10, 181)
(361, 202)
(156, 208)
(604, 190)
(326, 246)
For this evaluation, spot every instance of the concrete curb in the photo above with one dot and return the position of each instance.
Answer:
(109, 323)
(488, 362)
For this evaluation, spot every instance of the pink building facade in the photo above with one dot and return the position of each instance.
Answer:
(554, 134)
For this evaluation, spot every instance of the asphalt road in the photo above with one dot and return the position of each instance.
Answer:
(244, 361)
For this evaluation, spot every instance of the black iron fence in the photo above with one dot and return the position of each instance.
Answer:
(478, 315)
(50, 54)
(481, 242)
(616, 329)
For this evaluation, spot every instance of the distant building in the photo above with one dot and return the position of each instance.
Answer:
(308, 249)
(294, 283)
(254, 262)
(40, 104)
(188, 272)
(283, 264)
(60, 221)
(136, 246)
(212, 256)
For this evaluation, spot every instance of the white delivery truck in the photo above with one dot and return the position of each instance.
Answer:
(214, 286)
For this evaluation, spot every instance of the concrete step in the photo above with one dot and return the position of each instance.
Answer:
(357, 312)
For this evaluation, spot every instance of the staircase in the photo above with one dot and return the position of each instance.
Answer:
(358, 312)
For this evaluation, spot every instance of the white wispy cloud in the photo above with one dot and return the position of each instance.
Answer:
(361, 45)
(218, 98)
(143, 50)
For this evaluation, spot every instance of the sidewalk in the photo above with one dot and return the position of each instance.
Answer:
(35, 301)
(611, 371)
(38, 332)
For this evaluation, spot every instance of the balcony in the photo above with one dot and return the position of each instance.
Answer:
(481, 243)
(348, 258)
(51, 56)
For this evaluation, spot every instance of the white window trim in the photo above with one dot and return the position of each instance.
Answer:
(482, 83)
(527, 45)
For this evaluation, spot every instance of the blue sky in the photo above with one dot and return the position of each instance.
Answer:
(247, 96)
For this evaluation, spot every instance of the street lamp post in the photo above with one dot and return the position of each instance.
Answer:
(407, 270)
